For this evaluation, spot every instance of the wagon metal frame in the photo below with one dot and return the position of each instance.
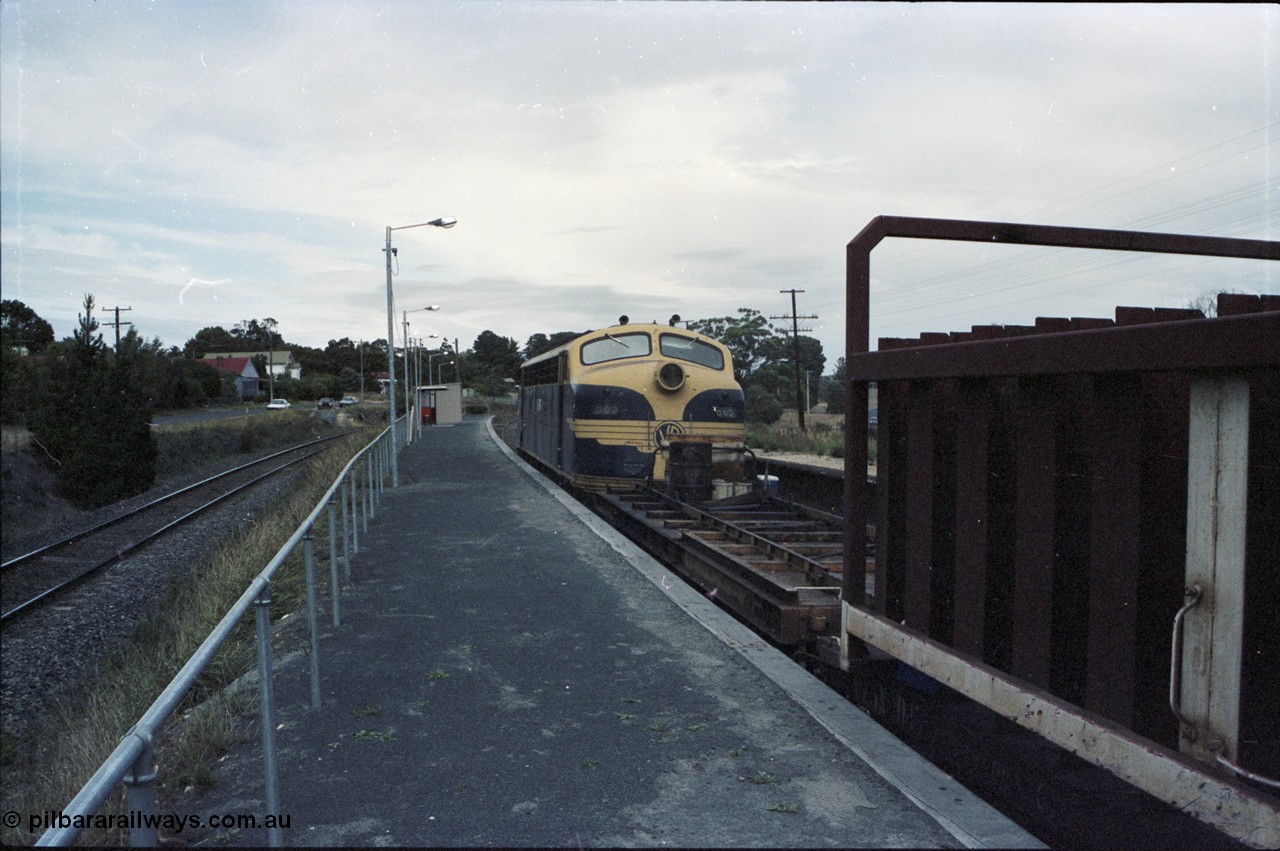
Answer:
(1011, 570)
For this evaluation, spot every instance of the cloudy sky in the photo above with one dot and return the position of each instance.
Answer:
(209, 162)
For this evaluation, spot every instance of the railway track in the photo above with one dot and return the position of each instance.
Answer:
(776, 565)
(42, 575)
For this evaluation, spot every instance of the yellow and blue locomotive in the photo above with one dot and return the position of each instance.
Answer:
(605, 408)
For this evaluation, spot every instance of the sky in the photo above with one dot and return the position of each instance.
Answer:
(204, 163)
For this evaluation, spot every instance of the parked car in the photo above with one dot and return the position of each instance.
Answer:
(348, 400)
(278, 405)
(326, 402)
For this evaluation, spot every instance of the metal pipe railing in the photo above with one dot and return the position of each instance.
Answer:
(133, 761)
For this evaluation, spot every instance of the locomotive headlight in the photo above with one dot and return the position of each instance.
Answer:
(604, 409)
(670, 376)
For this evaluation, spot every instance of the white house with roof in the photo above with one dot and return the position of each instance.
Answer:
(279, 362)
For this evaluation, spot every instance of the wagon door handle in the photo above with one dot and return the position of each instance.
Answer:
(1192, 594)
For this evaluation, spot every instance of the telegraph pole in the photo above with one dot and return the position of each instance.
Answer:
(118, 323)
(795, 348)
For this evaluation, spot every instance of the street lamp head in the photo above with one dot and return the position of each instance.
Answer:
(443, 222)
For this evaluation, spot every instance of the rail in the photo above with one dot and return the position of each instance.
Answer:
(97, 527)
(357, 489)
(1044, 496)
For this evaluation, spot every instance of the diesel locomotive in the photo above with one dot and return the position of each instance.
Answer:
(608, 408)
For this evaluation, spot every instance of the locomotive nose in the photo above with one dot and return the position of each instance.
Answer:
(670, 376)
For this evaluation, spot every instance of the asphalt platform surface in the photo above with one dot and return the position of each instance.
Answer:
(509, 672)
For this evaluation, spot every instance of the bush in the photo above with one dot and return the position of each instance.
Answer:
(763, 408)
(94, 421)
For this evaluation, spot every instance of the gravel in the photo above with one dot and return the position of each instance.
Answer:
(48, 657)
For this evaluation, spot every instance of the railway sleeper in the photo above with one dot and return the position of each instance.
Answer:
(750, 562)
(789, 623)
(790, 599)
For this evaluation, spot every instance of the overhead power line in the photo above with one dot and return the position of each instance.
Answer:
(118, 323)
(795, 318)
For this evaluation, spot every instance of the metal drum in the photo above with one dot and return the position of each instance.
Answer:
(689, 470)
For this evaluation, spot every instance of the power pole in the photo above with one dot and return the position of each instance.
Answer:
(795, 348)
(118, 323)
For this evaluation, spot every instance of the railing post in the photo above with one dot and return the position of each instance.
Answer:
(382, 467)
(355, 510)
(333, 560)
(346, 527)
(371, 482)
(366, 498)
(313, 615)
(140, 795)
(267, 711)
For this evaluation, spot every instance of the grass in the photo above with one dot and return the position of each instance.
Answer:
(59, 758)
(188, 448)
(823, 435)
(30, 501)
(817, 439)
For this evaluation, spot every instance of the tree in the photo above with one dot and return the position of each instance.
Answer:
(209, 341)
(763, 407)
(319, 386)
(497, 355)
(20, 326)
(252, 335)
(539, 343)
(748, 337)
(88, 347)
(18, 376)
(93, 415)
(192, 383)
(311, 360)
(812, 360)
(343, 355)
(1207, 301)
(834, 388)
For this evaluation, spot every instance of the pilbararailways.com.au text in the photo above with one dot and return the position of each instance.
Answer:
(134, 820)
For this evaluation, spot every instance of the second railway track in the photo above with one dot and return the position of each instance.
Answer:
(41, 575)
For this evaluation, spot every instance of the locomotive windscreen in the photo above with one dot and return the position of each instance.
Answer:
(612, 347)
(694, 351)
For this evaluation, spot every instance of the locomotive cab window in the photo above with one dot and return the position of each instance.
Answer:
(616, 347)
(694, 351)
(543, 372)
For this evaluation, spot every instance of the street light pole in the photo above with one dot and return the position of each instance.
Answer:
(417, 382)
(391, 342)
(409, 407)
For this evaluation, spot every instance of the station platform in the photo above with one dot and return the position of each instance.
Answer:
(511, 672)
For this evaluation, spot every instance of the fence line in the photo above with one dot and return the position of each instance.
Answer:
(133, 761)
